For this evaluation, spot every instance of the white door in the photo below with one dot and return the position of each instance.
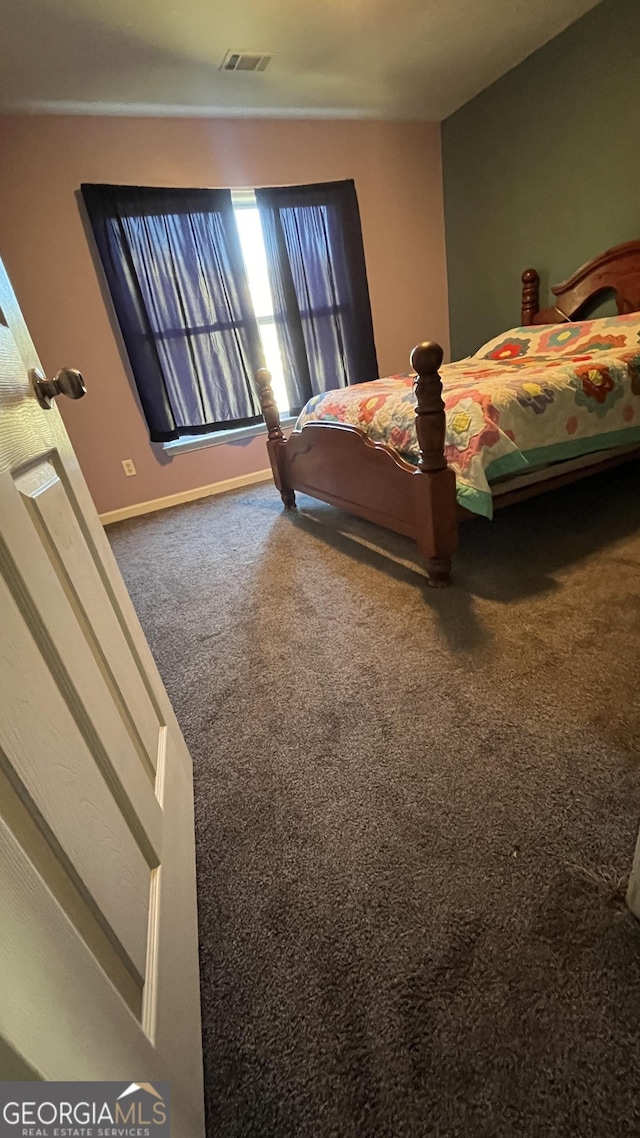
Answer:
(98, 923)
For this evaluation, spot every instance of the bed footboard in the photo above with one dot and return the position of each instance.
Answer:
(340, 465)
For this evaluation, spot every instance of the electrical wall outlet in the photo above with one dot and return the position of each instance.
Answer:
(128, 467)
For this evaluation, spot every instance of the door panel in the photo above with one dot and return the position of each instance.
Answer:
(48, 504)
(98, 939)
(34, 572)
(67, 788)
(50, 962)
(48, 861)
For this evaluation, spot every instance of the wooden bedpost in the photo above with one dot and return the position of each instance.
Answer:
(276, 443)
(435, 483)
(530, 296)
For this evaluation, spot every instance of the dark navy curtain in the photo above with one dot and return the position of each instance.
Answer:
(318, 279)
(175, 271)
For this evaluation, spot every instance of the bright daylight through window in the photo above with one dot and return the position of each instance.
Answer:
(255, 259)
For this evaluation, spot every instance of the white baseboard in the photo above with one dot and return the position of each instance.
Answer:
(140, 508)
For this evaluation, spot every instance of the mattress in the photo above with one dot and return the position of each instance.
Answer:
(529, 397)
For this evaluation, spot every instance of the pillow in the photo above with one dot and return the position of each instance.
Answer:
(609, 334)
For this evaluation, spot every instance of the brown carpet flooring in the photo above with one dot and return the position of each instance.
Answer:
(415, 813)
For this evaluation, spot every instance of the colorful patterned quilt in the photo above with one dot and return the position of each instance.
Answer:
(528, 397)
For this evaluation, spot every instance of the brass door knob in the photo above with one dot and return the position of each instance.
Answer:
(67, 382)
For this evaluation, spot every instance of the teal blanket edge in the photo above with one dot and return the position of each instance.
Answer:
(481, 502)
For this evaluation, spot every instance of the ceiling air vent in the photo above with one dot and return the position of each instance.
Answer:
(246, 61)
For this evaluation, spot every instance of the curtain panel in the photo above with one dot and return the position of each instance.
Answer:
(318, 278)
(177, 279)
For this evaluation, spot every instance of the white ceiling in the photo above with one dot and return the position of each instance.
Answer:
(413, 59)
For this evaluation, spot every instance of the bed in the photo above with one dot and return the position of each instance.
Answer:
(546, 403)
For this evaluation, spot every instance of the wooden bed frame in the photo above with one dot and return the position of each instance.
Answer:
(340, 465)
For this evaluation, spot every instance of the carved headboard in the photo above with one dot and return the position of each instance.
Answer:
(618, 270)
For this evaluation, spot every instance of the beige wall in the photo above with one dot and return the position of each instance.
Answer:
(397, 171)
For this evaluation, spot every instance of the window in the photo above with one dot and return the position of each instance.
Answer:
(319, 286)
(208, 287)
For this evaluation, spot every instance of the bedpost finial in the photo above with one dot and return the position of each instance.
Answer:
(530, 303)
(426, 358)
(268, 405)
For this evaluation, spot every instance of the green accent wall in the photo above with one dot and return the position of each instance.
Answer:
(542, 170)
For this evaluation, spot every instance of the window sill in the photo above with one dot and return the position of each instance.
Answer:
(216, 438)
